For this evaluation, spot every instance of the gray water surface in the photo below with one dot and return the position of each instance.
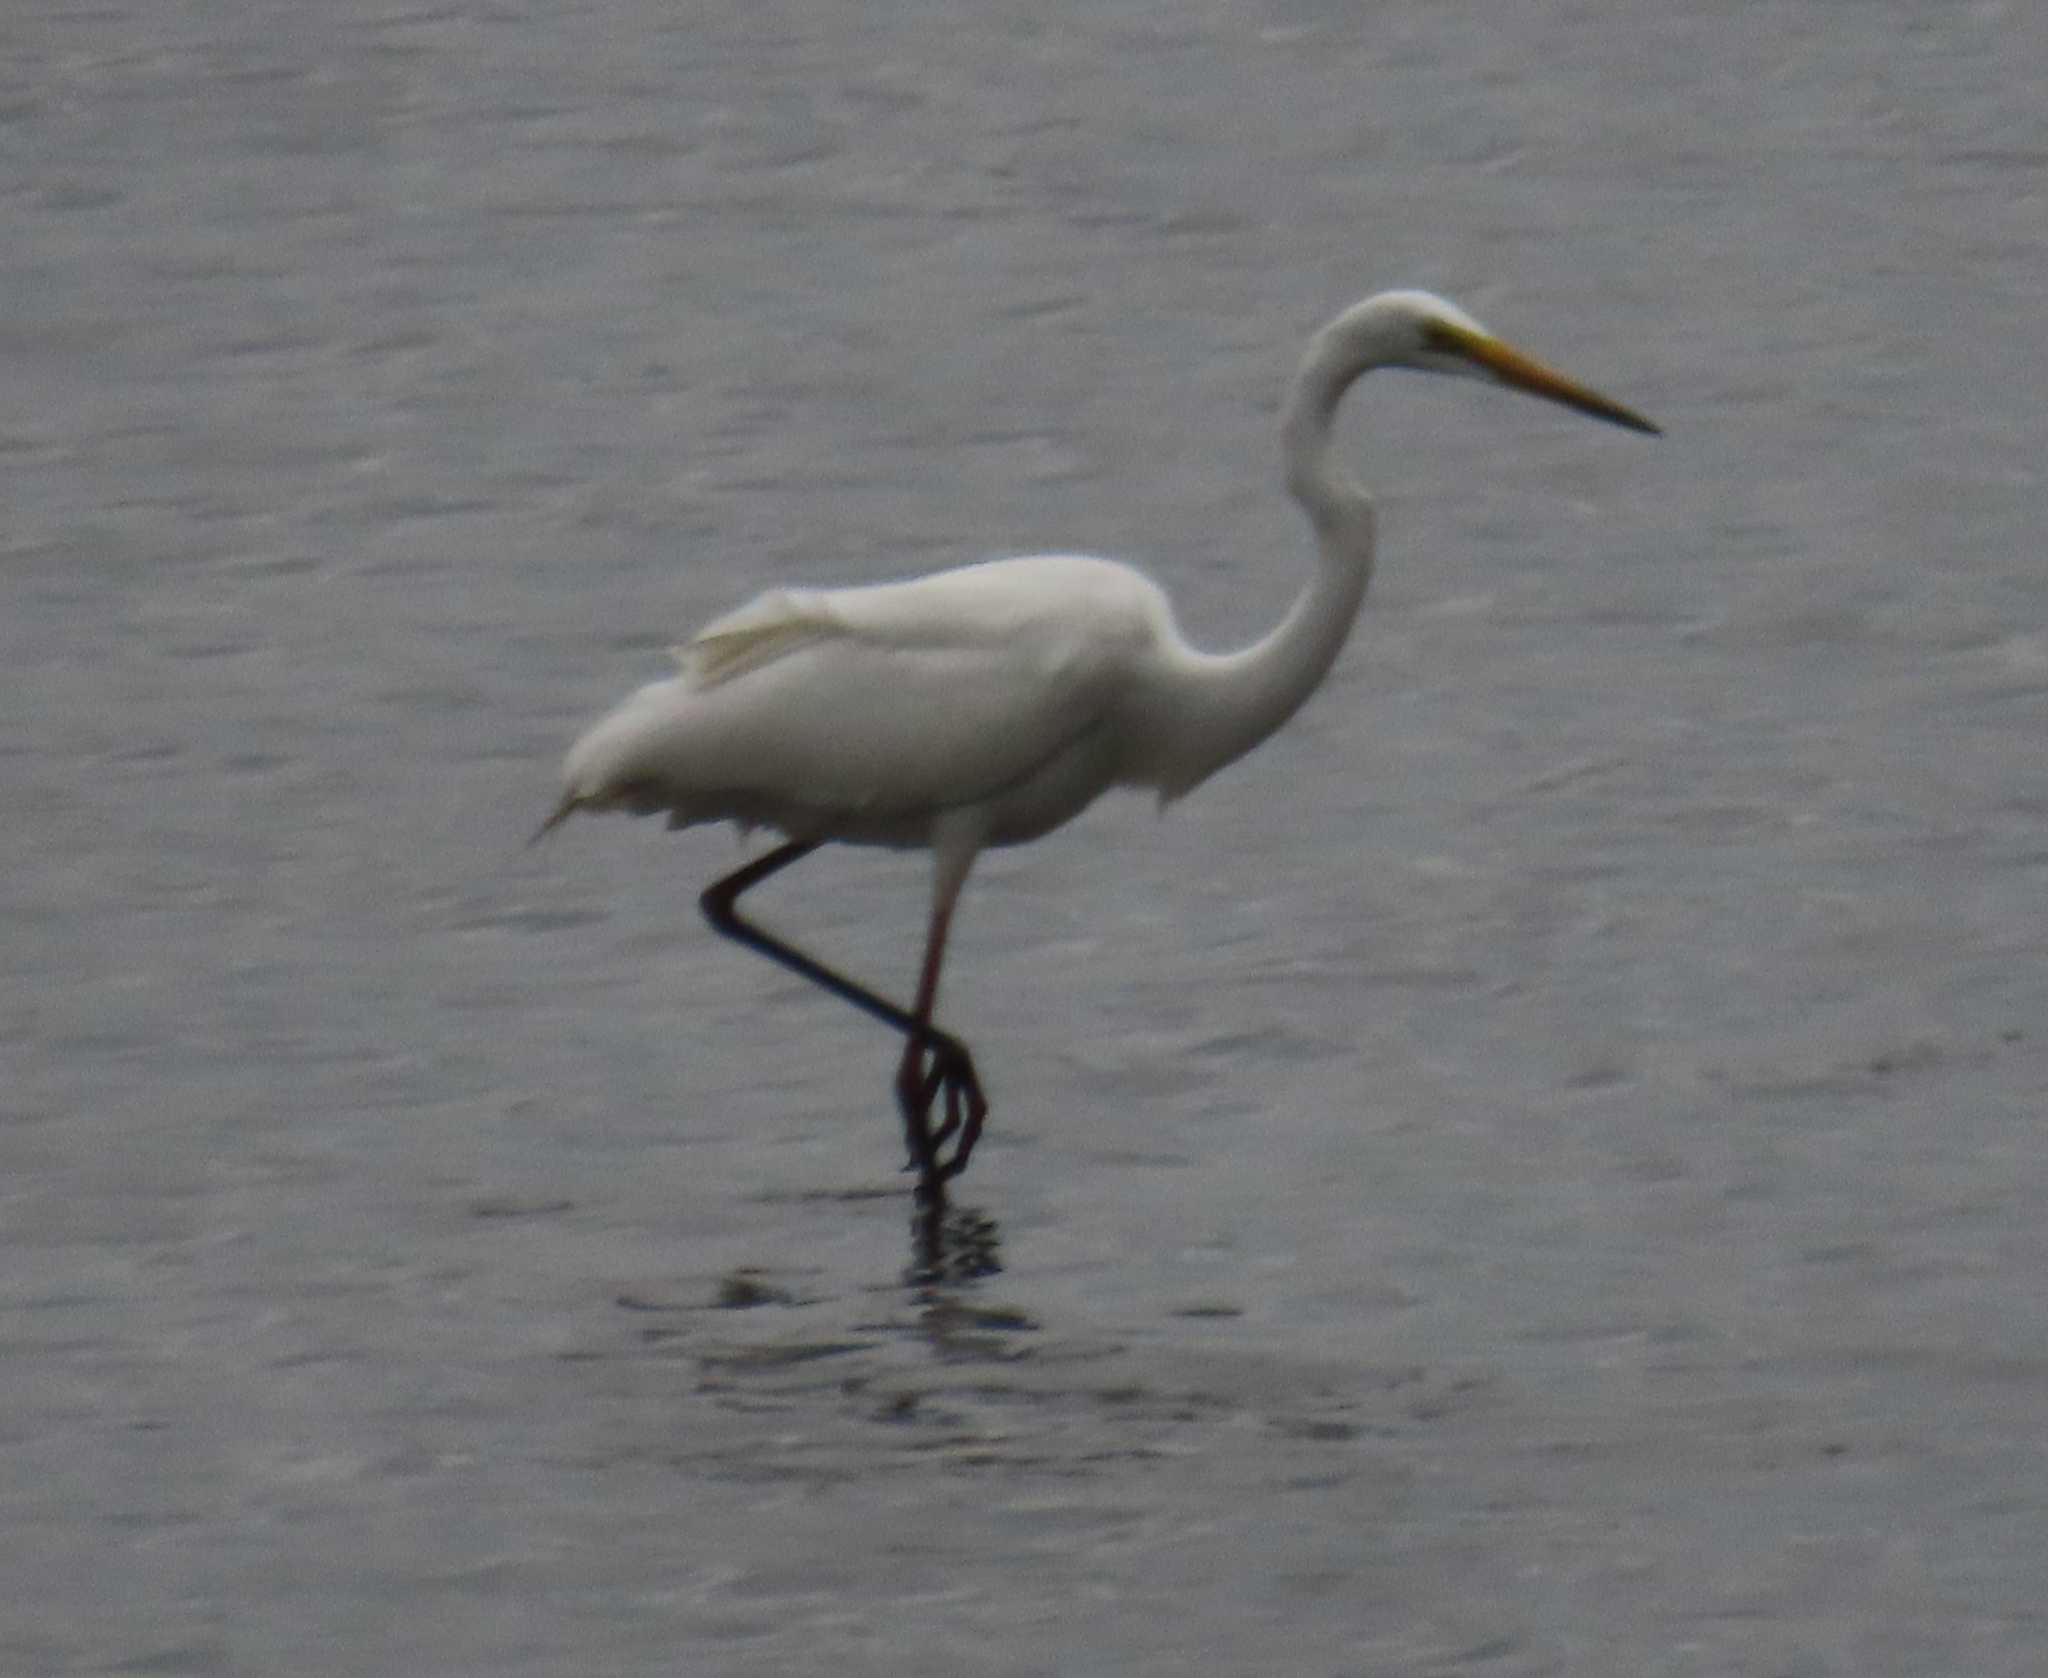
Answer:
(1537, 1171)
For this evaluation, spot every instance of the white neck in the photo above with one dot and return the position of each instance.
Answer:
(1223, 704)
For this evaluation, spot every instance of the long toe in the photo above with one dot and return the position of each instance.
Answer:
(966, 1111)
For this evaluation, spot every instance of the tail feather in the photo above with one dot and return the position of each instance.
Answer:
(571, 802)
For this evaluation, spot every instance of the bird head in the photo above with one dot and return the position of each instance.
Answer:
(1445, 339)
(1431, 334)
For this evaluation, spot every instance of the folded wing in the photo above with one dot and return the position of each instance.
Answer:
(877, 702)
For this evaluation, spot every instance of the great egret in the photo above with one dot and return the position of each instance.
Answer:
(989, 704)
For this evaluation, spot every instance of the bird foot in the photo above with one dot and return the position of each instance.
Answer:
(936, 1067)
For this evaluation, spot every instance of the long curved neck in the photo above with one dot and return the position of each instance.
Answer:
(1234, 700)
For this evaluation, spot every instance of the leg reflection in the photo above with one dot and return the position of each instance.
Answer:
(949, 1243)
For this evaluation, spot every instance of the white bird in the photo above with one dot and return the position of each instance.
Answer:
(989, 704)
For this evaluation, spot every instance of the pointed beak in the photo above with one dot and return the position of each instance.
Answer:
(1524, 372)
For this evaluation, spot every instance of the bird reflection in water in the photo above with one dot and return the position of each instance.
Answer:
(952, 1250)
(950, 1244)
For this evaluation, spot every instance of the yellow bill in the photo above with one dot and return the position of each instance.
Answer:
(1524, 372)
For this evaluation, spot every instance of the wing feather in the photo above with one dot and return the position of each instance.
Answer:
(763, 630)
(892, 700)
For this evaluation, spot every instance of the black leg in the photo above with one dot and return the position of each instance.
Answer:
(934, 1061)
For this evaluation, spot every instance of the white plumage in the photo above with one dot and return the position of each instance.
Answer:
(865, 714)
(989, 704)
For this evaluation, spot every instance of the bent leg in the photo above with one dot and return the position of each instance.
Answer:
(933, 1060)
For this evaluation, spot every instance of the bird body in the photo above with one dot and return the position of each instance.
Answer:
(875, 715)
(989, 704)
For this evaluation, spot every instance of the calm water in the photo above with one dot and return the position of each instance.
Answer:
(1537, 1172)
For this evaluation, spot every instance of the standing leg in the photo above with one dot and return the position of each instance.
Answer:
(951, 1067)
(954, 848)
(916, 1082)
